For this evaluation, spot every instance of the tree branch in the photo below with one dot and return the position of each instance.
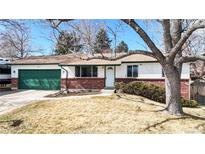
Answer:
(191, 58)
(167, 35)
(177, 31)
(157, 53)
(56, 22)
(177, 48)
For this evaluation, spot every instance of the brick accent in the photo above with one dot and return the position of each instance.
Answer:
(185, 89)
(184, 84)
(14, 83)
(83, 83)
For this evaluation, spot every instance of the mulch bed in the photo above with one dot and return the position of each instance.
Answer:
(63, 94)
(5, 89)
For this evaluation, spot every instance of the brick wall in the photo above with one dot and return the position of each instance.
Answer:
(184, 84)
(185, 89)
(83, 83)
(14, 83)
(99, 83)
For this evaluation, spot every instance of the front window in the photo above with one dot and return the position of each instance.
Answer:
(132, 71)
(86, 71)
(77, 71)
(4, 69)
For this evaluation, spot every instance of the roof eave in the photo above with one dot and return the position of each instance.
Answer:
(34, 64)
(89, 64)
(139, 62)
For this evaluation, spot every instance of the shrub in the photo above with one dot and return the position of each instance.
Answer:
(119, 85)
(189, 103)
(150, 91)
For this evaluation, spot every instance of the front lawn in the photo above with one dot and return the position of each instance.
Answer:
(101, 114)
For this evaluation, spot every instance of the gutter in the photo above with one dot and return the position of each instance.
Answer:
(89, 64)
(66, 79)
(34, 64)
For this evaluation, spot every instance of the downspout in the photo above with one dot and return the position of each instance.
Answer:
(66, 79)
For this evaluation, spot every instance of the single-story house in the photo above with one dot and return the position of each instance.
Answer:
(78, 71)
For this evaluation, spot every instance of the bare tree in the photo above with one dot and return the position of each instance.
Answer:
(174, 38)
(15, 40)
(84, 29)
(4, 23)
(115, 31)
(87, 31)
(196, 45)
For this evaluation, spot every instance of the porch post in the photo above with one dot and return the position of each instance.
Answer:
(114, 73)
(104, 76)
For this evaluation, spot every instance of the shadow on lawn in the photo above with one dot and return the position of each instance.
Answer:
(138, 101)
(14, 123)
(185, 116)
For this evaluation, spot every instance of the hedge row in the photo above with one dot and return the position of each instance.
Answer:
(150, 91)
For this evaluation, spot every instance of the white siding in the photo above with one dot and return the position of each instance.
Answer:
(148, 70)
(15, 68)
(70, 69)
(101, 71)
(71, 72)
(145, 70)
(121, 71)
(5, 76)
(185, 71)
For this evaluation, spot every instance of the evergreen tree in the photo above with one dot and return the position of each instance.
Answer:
(102, 41)
(67, 42)
(122, 47)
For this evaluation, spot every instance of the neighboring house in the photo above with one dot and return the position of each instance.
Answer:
(77, 71)
(197, 90)
(5, 72)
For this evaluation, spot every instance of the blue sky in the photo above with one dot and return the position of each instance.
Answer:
(41, 34)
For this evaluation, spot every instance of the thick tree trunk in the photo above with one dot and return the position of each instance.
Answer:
(173, 90)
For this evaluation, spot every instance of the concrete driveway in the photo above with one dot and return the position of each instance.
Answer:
(13, 99)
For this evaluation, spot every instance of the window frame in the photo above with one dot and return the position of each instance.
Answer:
(91, 73)
(132, 70)
(5, 69)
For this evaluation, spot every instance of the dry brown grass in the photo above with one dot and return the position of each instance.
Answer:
(100, 114)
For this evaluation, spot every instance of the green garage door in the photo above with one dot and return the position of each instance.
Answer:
(39, 79)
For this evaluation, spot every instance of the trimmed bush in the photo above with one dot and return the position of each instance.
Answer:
(189, 103)
(119, 85)
(150, 91)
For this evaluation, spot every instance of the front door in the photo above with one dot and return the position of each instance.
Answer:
(110, 76)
